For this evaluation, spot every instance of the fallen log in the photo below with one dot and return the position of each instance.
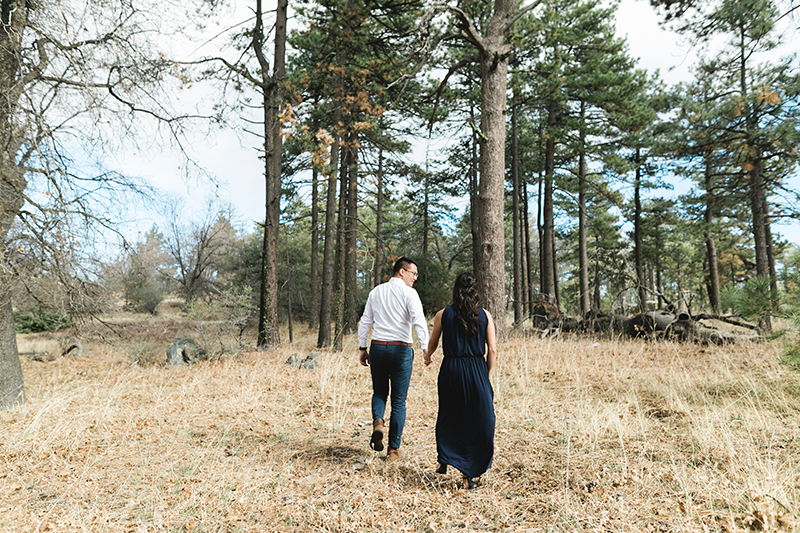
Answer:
(729, 319)
(715, 336)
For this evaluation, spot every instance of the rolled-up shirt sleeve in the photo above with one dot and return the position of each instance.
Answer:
(418, 319)
(365, 323)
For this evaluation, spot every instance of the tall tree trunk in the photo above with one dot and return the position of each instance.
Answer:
(583, 248)
(659, 283)
(490, 271)
(268, 325)
(756, 177)
(555, 274)
(351, 274)
(515, 213)
(289, 292)
(596, 294)
(314, 281)
(473, 193)
(529, 288)
(757, 202)
(770, 249)
(326, 303)
(12, 186)
(341, 251)
(378, 275)
(548, 274)
(540, 227)
(12, 390)
(711, 246)
(637, 233)
(426, 216)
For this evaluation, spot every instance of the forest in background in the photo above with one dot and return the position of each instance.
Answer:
(545, 187)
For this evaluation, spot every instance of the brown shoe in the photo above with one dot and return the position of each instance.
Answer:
(394, 455)
(376, 442)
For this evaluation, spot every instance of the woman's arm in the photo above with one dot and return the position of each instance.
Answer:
(491, 341)
(433, 342)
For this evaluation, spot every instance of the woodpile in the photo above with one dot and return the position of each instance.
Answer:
(663, 324)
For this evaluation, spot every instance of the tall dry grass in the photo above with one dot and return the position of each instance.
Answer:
(591, 435)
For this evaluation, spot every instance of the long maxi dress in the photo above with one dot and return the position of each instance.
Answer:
(466, 420)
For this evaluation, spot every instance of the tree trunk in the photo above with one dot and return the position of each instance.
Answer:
(314, 278)
(515, 212)
(555, 273)
(378, 274)
(770, 249)
(548, 274)
(268, 325)
(12, 186)
(426, 217)
(759, 219)
(329, 247)
(596, 294)
(289, 292)
(529, 289)
(473, 194)
(711, 246)
(351, 275)
(341, 251)
(637, 234)
(494, 73)
(12, 391)
(583, 248)
(756, 178)
(757, 201)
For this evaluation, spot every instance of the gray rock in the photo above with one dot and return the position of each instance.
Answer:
(184, 351)
(310, 364)
(294, 360)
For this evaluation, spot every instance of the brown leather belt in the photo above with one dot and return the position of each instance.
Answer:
(391, 343)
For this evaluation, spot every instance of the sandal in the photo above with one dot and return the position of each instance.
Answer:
(442, 469)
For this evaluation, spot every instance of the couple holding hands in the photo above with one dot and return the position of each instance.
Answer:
(466, 419)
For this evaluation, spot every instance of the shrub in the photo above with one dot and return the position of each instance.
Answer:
(791, 348)
(39, 318)
(755, 300)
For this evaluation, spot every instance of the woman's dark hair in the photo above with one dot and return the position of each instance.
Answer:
(466, 302)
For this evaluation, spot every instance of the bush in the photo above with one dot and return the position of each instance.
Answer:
(39, 319)
(791, 348)
(755, 300)
(143, 292)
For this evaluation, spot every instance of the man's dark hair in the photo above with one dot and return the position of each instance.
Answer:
(404, 262)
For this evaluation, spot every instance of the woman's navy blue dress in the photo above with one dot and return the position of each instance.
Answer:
(465, 425)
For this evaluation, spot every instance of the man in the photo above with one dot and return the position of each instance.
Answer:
(392, 309)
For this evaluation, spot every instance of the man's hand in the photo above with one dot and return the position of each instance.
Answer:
(364, 358)
(427, 359)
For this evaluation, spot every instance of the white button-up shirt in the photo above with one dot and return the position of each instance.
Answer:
(392, 309)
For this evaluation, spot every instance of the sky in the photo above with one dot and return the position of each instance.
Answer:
(238, 172)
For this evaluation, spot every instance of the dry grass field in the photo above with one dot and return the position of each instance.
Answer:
(592, 435)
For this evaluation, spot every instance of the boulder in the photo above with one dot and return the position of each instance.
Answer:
(294, 360)
(184, 351)
(311, 362)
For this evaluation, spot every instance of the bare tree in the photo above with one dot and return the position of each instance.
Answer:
(73, 77)
(198, 249)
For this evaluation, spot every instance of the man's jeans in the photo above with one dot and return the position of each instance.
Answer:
(391, 364)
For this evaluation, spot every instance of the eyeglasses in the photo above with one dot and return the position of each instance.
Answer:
(415, 274)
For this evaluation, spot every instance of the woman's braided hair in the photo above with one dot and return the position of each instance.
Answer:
(466, 302)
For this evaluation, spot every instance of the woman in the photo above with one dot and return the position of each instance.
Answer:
(465, 425)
